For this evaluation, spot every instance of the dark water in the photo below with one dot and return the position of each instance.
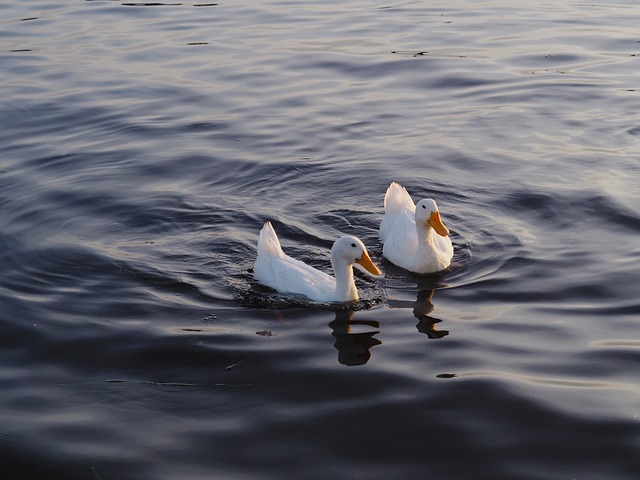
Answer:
(144, 144)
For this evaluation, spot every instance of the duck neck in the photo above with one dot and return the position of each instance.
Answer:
(345, 283)
(425, 235)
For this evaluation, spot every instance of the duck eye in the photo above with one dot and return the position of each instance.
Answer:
(424, 207)
(353, 245)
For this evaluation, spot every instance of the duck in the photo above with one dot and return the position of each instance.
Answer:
(407, 233)
(285, 274)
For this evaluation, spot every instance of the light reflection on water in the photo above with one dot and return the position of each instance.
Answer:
(549, 381)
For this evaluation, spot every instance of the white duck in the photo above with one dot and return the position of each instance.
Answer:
(407, 230)
(279, 271)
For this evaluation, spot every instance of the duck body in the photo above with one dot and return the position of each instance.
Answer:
(277, 270)
(414, 236)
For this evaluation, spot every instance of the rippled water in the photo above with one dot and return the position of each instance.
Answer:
(144, 144)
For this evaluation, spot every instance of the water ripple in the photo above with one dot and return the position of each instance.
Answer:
(143, 145)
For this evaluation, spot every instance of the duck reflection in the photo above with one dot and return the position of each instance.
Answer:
(422, 307)
(353, 348)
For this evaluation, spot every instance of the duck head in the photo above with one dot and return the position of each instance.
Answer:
(351, 250)
(427, 214)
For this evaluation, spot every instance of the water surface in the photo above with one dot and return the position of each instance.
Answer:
(143, 145)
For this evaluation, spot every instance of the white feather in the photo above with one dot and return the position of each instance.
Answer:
(408, 240)
(277, 270)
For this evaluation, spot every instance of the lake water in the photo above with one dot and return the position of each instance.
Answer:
(142, 147)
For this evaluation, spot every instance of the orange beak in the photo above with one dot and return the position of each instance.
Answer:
(367, 264)
(436, 223)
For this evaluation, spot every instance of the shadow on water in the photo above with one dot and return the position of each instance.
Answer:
(421, 308)
(355, 326)
(354, 345)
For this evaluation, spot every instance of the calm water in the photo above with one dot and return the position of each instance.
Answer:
(144, 144)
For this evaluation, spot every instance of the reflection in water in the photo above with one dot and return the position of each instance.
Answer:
(353, 348)
(422, 307)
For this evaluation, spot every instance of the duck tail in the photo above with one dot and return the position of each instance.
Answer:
(268, 243)
(396, 200)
